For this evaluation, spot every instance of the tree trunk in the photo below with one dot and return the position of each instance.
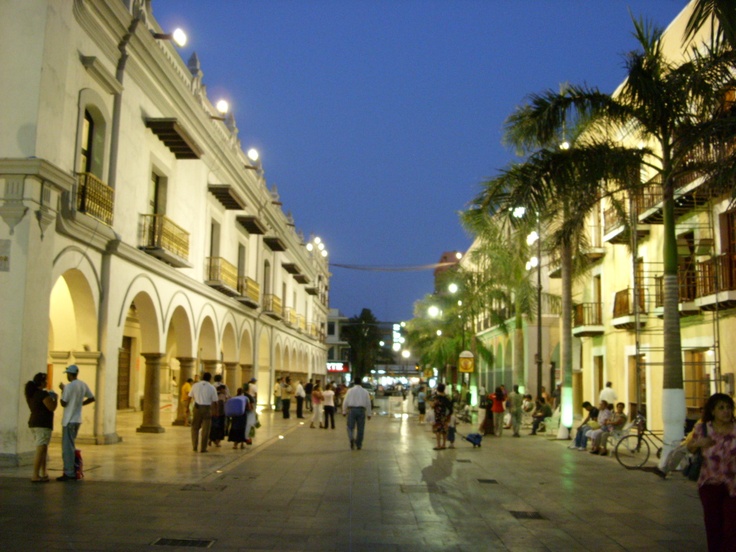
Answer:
(673, 394)
(566, 406)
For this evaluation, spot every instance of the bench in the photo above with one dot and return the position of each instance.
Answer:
(616, 435)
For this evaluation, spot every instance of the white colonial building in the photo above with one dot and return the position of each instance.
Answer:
(137, 240)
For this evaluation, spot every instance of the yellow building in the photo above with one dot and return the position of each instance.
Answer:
(618, 327)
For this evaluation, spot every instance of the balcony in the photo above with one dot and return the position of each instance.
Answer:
(624, 317)
(588, 320)
(95, 198)
(716, 283)
(614, 229)
(290, 317)
(687, 283)
(160, 237)
(301, 323)
(272, 306)
(249, 292)
(222, 276)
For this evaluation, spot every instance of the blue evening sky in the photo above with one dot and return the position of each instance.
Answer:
(377, 120)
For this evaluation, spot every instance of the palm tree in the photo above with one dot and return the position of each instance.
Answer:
(719, 14)
(499, 256)
(562, 187)
(671, 106)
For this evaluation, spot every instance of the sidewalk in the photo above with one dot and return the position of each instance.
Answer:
(309, 491)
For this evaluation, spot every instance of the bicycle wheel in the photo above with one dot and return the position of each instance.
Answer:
(632, 452)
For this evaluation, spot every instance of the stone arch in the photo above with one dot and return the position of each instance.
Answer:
(207, 349)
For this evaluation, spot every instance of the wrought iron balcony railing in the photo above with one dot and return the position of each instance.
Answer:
(95, 198)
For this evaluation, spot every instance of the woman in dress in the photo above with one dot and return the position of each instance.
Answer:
(715, 437)
(316, 405)
(328, 403)
(442, 408)
(217, 430)
(237, 434)
(42, 404)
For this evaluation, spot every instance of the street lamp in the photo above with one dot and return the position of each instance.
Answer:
(535, 262)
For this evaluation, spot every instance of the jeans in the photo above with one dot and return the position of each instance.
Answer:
(68, 438)
(356, 416)
(285, 406)
(581, 441)
(330, 415)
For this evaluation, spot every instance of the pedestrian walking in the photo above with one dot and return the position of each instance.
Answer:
(204, 397)
(498, 409)
(316, 405)
(422, 403)
(608, 394)
(308, 392)
(237, 409)
(442, 408)
(715, 438)
(328, 403)
(356, 406)
(74, 396)
(217, 425)
(514, 401)
(42, 403)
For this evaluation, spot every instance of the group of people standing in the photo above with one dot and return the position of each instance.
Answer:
(42, 403)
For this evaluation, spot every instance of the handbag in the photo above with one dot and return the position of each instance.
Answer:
(692, 469)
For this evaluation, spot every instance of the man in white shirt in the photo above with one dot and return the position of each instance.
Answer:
(205, 396)
(608, 394)
(74, 396)
(300, 395)
(356, 405)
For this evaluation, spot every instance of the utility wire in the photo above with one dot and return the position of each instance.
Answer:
(374, 268)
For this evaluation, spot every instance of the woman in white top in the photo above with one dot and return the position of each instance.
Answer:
(316, 405)
(329, 405)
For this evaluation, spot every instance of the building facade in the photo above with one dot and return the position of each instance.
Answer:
(618, 303)
(137, 240)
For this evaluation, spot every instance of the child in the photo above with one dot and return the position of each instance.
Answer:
(451, 430)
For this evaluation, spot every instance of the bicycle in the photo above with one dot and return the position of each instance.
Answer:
(633, 450)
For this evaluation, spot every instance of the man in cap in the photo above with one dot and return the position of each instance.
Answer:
(74, 396)
(252, 389)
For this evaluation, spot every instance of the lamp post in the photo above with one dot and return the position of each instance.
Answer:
(536, 262)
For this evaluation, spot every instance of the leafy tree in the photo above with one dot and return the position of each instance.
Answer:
(364, 336)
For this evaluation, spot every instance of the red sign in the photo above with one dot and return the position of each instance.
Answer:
(338, 366)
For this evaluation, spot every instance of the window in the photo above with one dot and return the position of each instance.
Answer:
(214, 239)
(330, 328)
(157, 194)
(92, 133)
(85, 152)
(241, 260)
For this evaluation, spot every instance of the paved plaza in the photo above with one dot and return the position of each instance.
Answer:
(304, 489)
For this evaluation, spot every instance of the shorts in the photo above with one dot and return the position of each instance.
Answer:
(42, 435)
(451, 434)
(422, 407)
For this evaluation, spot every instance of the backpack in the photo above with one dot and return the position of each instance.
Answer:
(235, 406)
